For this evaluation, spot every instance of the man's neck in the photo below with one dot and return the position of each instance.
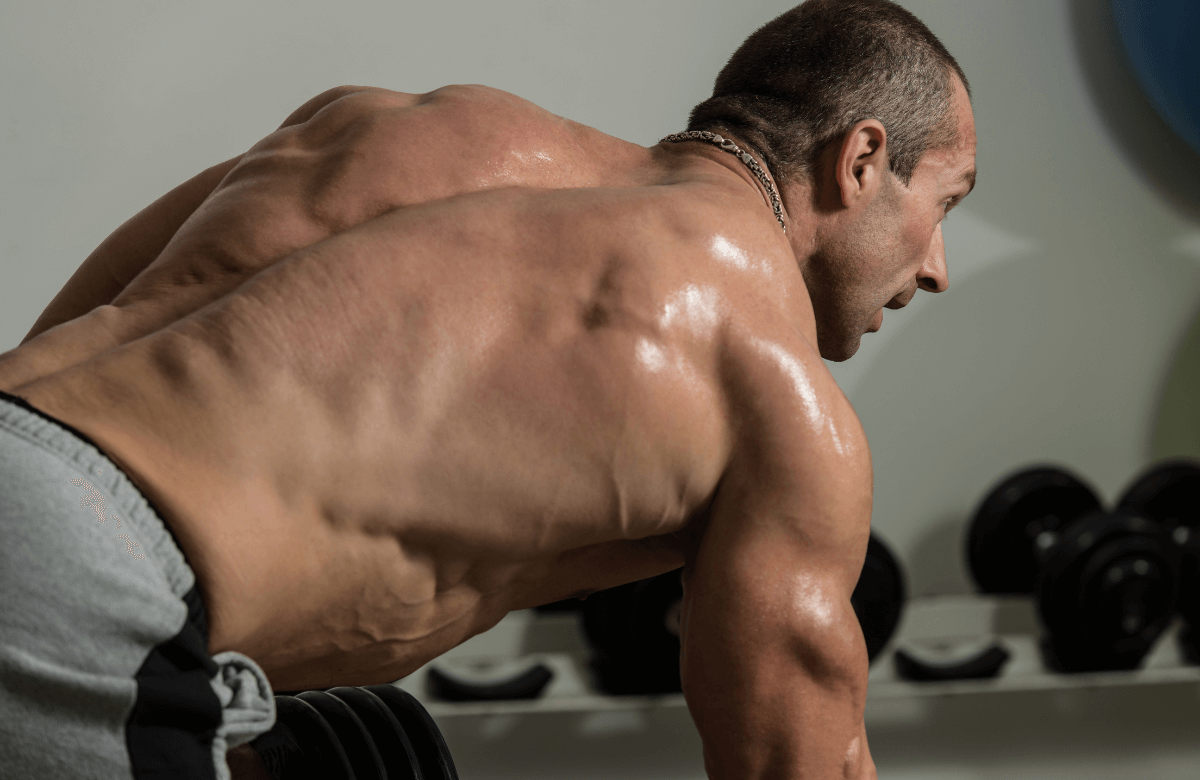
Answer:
(730, 160)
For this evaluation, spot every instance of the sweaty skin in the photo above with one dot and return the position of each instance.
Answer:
(415, 361)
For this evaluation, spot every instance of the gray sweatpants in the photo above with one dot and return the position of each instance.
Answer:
(104, 664)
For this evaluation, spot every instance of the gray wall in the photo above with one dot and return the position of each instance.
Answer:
(1075, 266)
(1074, 274)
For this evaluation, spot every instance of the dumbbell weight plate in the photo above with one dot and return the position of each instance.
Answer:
(1106, 591)
(393, 745)
(1010, 519)
(878, 598)
(607, 621)
(654, 620)
(634, 632)
(356, 740)
(566, 606)
(433, 755)
(324, 757)
(1169, 493)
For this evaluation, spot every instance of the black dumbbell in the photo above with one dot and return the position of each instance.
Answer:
(1169, 494)
(565, 606)
(1105, 583)
(390, 740)
(634, 629)
(302, 745)
(878, 598)
(377, 732)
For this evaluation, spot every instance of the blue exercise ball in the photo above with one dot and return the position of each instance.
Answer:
(1162, 38)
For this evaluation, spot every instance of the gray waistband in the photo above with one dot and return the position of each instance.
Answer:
(20, 418)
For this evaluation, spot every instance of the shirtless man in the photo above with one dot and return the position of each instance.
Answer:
(415, 361)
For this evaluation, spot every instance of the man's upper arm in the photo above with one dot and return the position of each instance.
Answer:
(774, 663)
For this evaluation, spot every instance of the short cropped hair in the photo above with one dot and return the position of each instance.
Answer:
(806, 78)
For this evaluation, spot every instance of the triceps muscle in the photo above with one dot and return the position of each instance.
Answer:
(774, 664)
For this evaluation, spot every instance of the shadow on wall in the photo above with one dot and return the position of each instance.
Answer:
(1164, 159)
(1177, 430)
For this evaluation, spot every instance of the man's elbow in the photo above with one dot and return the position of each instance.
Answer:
(837, 660)
(827, 642)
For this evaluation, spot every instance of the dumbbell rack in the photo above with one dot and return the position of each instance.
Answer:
(1013, 621)
(557, 641)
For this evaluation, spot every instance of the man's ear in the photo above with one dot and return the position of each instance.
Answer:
(862, 162)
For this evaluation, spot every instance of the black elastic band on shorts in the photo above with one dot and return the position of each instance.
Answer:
(169, 733)
(21, 402)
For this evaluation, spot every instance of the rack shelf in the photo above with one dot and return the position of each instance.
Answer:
(556, 642)
(569, 692)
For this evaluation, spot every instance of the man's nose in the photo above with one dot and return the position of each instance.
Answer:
(933, 276)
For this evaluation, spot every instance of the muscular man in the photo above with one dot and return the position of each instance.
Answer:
(415, 361)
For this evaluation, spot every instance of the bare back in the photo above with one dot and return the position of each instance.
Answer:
(485, 358)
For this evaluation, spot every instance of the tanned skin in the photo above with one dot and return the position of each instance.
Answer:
(415, 361)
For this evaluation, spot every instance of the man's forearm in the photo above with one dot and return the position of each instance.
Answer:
(774, 664)
(793, 721)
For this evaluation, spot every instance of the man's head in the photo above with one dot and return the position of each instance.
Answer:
(864, 120)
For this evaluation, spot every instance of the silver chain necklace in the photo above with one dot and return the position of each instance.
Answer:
(746, 158)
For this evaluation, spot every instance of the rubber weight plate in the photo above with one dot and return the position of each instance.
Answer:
(1169, 494)
(657, 603)
(433, 755)
(350, 731)
(394, 748)
(1008, 522)
(1107, 591)
(560, 607)
(280, 750)
(634, 631)
(608, 621)
(878, 598)
(322, 753)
